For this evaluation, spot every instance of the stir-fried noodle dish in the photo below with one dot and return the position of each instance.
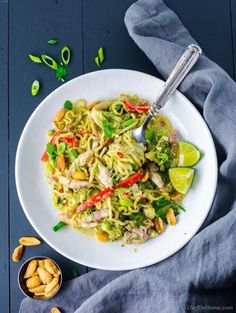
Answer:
(101, 179)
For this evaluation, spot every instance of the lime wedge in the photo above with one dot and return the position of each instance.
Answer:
(181, 178)
(188, 155)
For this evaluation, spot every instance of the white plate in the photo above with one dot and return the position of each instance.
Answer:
(34, 193)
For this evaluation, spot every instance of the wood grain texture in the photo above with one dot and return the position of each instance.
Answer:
(84, 25)
(209, 22)
(4, 232)
(32, 24)
(233, 33)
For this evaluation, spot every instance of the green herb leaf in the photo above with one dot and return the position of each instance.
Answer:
(59, 226)
(101, 55)
(129, 122)
(65, 55)
(133, 166)
(61, 148)
(50, 149)
(52, 41)
(97, 61)
(74, 271)
(35, 59)
(122, 190)
(35, 88)
(74, 153)
(68, 105)
(108, 130)
(61, 72)
(50, 62)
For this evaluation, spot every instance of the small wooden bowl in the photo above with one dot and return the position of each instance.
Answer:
(21, 280)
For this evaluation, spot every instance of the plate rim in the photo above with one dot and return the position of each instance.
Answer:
(96, 266)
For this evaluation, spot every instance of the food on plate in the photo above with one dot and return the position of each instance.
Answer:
(106, 183)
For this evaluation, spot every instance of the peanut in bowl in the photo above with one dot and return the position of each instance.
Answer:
(40, 278)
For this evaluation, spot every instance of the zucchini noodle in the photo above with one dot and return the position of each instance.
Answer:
(91, 149)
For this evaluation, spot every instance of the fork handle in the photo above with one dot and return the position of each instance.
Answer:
(181, 69)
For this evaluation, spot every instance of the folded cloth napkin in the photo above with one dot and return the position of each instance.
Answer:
(203, 274)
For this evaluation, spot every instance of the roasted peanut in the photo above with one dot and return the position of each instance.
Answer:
(41, 263)
(55, 310)
(145, 177)
(31, 268)
(176, 196)
(60, 114)
(45, 277)
(29, 241)
(102, 236)
(51, 267)
(61, 163)
(159, 225)
(39, 297)
(17, 253)
(79, 175)
(52, 285)
(33, 282)
(51, 293)
(40, 288)
(170, 216)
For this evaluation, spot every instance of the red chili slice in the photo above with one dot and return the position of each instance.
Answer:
(136, 108)
(120, 154)
(133, 179)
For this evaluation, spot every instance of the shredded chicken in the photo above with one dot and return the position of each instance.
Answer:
(104, 175)
(155, 177)
(87, 220)
(139, 234)
(73, 184)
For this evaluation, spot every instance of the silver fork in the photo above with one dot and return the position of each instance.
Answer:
(181, 69)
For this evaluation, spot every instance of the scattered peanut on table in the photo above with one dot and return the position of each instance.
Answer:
(17, 253)
(42, 278)
(29, 241)
(55, 310)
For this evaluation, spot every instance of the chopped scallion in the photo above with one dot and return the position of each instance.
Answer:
(35, 88)
(49, 61)
(35, 59)
(52, 41)
(65, 55)
(68, 105)
(59, 226)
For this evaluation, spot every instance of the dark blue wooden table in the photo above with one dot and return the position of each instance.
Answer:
(84, 25)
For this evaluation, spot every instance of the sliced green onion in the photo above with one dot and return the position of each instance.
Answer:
(74, 271)
(126, 202)
(101, 55)
(74, 153)
(68, 105)
(108, 130)
(133, 166)
(52, 41)
(65, 55)
(50, 148)
(97, 61)
(129, 122)
(59, 226)
(35, 59)
(49, 61)
(61, 148)
(61, 72)
(122, 190)
(35, 88)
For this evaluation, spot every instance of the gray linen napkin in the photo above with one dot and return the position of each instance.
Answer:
(203, 273)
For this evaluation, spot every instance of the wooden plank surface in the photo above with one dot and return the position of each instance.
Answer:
(209, 22)
(32, 24)
(4, 233)
(85, 25)
(233, 33)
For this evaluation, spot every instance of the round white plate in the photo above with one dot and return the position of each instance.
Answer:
(34, 192)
